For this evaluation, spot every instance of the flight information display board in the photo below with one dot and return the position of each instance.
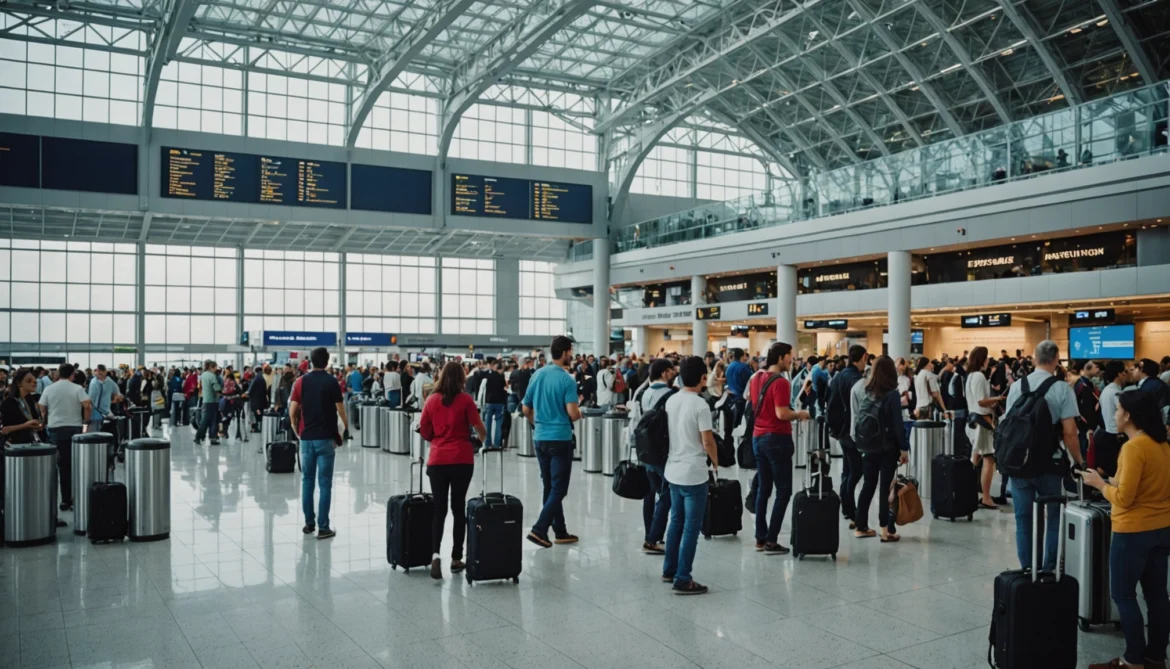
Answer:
(533, 200)
(391, 189)
(241, 177)
(20, 160)
(86, 165)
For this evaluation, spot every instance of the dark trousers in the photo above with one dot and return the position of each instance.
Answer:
(1106, 450)
(738, 405)
(556, 464)
(450, 482)
(656, 505)
(63, 439)
(1141, 557)
(851, 474)
(774, 458)
(879, 471)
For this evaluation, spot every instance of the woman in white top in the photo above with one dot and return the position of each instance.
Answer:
(716, 379)
(981, 420)
(421, 386)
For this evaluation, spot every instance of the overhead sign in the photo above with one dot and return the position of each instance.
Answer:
(1092, 316)
(370, 339)
(758, 309)
(830, 324)
(299, 339)
(707, 313)
(987, 321)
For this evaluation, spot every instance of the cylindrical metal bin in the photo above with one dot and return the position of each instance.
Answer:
(521, 436)
(613, 442)
(148, 488)
(371, 427)
(589, 439)
(400, 420)
(384, 412)
(92, 459)
(30, 495)
(927, 440)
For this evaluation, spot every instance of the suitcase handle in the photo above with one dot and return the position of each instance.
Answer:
(1036, 507)
(484, 451)
(410, 483)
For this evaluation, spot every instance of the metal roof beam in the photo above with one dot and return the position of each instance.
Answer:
(1023, 23)
(419, 36)
(176, 18)
(511, 47)
(964, 57)
(641, 142)
(341, 241)
(1129, 40)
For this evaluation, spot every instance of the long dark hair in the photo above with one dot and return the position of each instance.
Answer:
(1144, 413)
(978, 359)
(14, 383)
(451, 382)
(883, 378)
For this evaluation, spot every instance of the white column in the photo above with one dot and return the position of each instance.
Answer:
(786, 289)
(698, 327)
(600, 297)
(899, 303)
(638, 340)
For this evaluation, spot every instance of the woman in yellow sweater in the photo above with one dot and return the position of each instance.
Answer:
(1140, 495)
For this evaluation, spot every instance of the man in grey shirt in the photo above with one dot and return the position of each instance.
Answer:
(1062, 404)
(65, 407)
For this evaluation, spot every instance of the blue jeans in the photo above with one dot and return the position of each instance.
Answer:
(394, 397)
(317, 457)
(513, 402)
(1024, 494)
(688, 503)
(556, 464)
(1141, 557)
(493, 418)
(210, 421)
(774, 459)
(656, 505)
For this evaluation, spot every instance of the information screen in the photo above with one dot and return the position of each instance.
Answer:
(987, 321)
(20, 160)
(707, 313)
(1092, 316)
(391, 189)
(831, 324)
(1107, 342)
(758, 309)
(86, 165)
(209, 175)
(503, 197)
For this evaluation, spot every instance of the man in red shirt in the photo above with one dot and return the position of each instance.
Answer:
(770, 394)
(313, 410)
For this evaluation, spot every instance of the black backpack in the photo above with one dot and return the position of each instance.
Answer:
(958, 392)
(869, 433)
(651, 435)
(1025, 439)
(837, 408)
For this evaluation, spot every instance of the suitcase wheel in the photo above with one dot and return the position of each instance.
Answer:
(970, 517)
(707, 537)
(1083, 624)
(834, 556)
(515, 579)
(800, 556)
(935, 516)
(469, 581)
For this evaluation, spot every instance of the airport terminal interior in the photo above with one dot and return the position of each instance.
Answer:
(241, 182)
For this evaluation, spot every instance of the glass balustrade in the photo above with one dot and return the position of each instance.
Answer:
(1126, 125)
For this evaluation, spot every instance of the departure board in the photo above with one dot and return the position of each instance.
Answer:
(86, 165)
(20, 160)
(503, 197)
(209, 175)
(390, 189)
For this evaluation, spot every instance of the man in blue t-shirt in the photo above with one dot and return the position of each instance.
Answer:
(550, 403)
(738, 374)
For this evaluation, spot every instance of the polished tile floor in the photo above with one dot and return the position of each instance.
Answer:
(238, 585)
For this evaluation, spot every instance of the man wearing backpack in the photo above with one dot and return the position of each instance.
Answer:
(838, 419)
(656, 505)
(1027, 448)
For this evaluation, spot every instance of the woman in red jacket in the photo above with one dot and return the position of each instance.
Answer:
(448, 416)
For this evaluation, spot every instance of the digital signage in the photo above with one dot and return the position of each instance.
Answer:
(528, 199)
(830, 324)
(1105, 342)
(707, 313)
(1083, 316)
(299, 339)
(197, 174)
(758, 309)
(370, 339)
(20, 160)
(86, 165)
(396, 190)
(987, 321)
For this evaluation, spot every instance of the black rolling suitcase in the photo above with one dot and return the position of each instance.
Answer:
(139, 422)
(408, 526)
(954, 486)
(108, 518)
(281, 457)
(495, 531)
(816, 511)
(724, 514)
(1034, 616)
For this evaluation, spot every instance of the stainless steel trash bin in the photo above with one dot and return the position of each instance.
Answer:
(800, 436)
(927, 440)
(148, 489)
(399, 431)
(384, 412)
(269, 429)
(30, 495)
(92, 459)
(520, 438)
(589, 439)
(418, 446)
(371, 427)
(613, 442)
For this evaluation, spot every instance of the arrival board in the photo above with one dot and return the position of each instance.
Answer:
(503, 197)
(392, 189)
(241, 177)
(87, 165)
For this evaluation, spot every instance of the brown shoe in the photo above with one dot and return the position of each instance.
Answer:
(1111, 664)
(437, 569)
(565, 539)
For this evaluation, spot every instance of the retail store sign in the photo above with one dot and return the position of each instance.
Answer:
(660, 315)
(758, 309)
(299, 339)
(1001, 261)
(708, 313)
(1074, 254)
(839, 276)
(370, 339)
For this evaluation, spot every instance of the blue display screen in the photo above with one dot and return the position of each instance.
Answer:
(392, 189)
(86, 165)
(504, 197)
(298, 339)
(20, 160)
(223, 176)
(1105, 342)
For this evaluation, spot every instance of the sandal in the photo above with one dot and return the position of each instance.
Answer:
(865, 534)
(989, 507)
(891, 538)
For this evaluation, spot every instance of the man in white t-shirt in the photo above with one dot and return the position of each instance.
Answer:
(692, 442)
(65, 407)
(925, 389)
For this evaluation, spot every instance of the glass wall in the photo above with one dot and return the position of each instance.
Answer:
(389, 294)
(541, 312)
(469, 296)
(296, 110)
(200, 97)
(191, 295)
(291, 290)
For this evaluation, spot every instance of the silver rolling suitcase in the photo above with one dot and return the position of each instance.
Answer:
(1087, 531)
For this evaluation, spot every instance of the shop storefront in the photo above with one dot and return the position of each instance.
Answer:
(1034, 258)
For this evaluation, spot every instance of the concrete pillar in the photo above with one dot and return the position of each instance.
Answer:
(140, 301)
(601, 297)
(899, 304)
(507, 300)
(698, 327)
(638, 340)
(786, 288)
(342, 308)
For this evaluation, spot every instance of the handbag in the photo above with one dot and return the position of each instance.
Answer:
(178, 397)
(630, 480)
(905, 503)
(745, 456)
(157, 401)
